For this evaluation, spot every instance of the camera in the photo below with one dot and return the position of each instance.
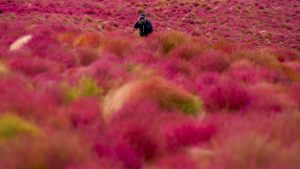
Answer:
(142, 19)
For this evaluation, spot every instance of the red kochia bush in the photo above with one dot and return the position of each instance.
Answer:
(224, 46)
(188, 135)
(211, 61)
(118, 46)
(270, 98)
(111, 146)
(227, 95)
(85, 112)
(142, 142)
(18, 95)
(284, 55)
(45, 45)
(248, 72)
(136, 124)
(206, 80)
(244, 71)
(153, 133)
(188, 51)
(249, 151)
(174, 67)
(106, 72)
(127, 155)
(33, 66)
(86, 56)
(119, 152)
(295, 93)
(175, 161)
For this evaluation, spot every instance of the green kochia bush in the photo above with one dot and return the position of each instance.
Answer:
(84, 88)
(187, 105)
(155, 89)
(12, 126)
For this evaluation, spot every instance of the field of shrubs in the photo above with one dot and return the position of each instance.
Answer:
(80, 90)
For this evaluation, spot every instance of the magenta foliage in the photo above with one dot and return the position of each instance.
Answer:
(273, 76)
(135, 124)
(295, 94)
(173, 67)
(18, 96)
(102, 149)
(188, 134)
(270, 98)
(85, 112)
(86, 56)
(47, 78)
(211, 61)
(141, 134)
(127, 155)
(250, 73)
(33, 66)
(45, 45)
(194, 18)
(7, 36)
(119, 152)
(106, 71)
(294, 66)
(142, 142)
(206, 80)
(227, 95)
(245, 72)
(176, 161)
(285, 55)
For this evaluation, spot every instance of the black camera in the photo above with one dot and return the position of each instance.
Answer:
(142, 18)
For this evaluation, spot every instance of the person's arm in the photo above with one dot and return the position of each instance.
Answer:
(137, 25)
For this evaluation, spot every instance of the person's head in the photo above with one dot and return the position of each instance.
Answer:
(142, 17)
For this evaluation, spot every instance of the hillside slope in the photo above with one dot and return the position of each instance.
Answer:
(261, 23)
(79, 89)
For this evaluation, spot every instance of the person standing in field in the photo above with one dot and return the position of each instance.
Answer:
(144, 25)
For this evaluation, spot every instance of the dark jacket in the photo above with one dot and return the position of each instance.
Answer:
(145, 28)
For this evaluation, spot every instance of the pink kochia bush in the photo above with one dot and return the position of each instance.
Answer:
(152, 133)
(35, 66)
(73, 99)
(295, 90)
(188, 135)
(226, 95)
(211, 61)
(175, 161)
(278, 100)
(85, 112)
(166, 95)
(121, 153)
(245, 71)
(256, 151)
(132, 139)
(18, 95)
